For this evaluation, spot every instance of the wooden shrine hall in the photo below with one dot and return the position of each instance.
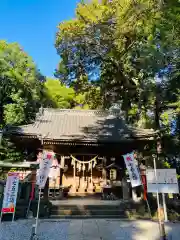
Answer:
(88, 146)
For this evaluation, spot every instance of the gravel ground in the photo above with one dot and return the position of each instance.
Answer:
(90, 229)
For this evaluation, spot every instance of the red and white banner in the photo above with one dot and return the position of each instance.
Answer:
(132, 169)
(10, 193)
(44, 168)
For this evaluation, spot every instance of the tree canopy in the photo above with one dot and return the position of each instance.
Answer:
(123, 47)
(21, 94)
(20, 85)
(58, 95)
(130, 51)
(113, 52)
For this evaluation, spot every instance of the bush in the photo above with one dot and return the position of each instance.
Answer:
(44, 210)
(173, 216)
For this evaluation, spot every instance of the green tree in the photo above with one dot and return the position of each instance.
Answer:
(21, 94)
(120, 46)
(59, 95)
(100, 44)
(9, 151)
(21, 85)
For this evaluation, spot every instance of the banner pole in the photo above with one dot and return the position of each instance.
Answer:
(149, 208)
(165, 208)
(37, 216)
(1, 216)
(13, 215)
(2, 206)
(161, 224)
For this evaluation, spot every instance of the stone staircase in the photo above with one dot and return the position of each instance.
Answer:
(78, 208)
(83, 208)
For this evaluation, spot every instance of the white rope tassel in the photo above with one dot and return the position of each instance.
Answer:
(94, 163)
(72, 162)
(89, 166)
(84, 167)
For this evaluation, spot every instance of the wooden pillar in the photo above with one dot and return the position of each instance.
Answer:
(73, 188)
(91, 174)
(74, 174)
(90, 184)
(62, 164)
(33, 184)
(104, 173)
(83, 168)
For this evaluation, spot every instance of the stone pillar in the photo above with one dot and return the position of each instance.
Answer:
(125, 188)
(134, 195)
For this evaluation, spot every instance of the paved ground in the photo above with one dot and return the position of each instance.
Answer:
(87, 230)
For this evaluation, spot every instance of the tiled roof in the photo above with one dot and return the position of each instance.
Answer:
(83, 125)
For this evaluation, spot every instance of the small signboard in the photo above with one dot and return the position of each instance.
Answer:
(10, 193)
(113, 174)
(166, 181)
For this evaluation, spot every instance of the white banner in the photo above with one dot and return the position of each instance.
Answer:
(10, 193)
(44, 168)
(166, 181)
(132, 169)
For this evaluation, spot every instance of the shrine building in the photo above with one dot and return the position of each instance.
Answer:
(88, 145)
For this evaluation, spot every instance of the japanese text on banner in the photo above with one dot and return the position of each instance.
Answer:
(10, 193)
(45, 165)
(132, 170)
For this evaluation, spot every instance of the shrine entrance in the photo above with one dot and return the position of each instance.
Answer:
(83, 175)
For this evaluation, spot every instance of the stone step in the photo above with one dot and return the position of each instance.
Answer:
(86, 212)
(88, 217)
(89, 207)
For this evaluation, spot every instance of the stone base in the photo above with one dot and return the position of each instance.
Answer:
(90, 188)
(81, 190)
(72, 190)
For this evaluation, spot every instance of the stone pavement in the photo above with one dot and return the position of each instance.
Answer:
(89, 229)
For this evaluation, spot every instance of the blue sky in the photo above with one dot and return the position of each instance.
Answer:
(32, 23)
